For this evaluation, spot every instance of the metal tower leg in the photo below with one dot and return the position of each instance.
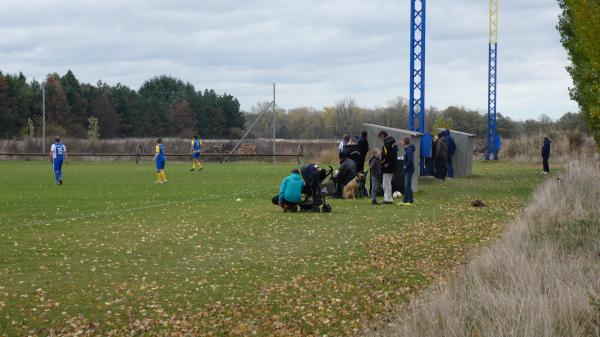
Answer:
(417, 66)
(492, 141)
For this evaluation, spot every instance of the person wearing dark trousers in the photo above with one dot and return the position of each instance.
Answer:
(409, 170)
(313, 176)
(451, 151)
(376, 175)
(346, 172)
(546, 154)
(363, 148)
(441, 157)
(290, 192)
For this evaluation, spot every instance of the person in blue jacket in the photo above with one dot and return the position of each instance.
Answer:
(409, 169)
(451, 151)
(546, 155)
(290, 192)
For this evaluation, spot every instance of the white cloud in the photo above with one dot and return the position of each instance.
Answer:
(317, 51)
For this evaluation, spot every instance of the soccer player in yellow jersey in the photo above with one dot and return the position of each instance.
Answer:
(195, 149)
(160, 159)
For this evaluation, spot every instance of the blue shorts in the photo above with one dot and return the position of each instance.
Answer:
(160, 164)
(57, 165)
(196, 155)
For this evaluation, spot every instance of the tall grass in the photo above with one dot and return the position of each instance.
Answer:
(541, 279)
(565, 147)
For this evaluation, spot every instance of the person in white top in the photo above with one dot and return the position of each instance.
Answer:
(58, 155)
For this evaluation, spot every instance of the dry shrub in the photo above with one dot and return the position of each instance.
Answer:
(565, 147)
(541, 279)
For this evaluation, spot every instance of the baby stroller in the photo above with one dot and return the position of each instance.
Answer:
(314, 193)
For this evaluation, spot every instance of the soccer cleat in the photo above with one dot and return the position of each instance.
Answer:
(192, 170)
(406, 204)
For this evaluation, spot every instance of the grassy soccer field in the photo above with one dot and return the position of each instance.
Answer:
(111, 252)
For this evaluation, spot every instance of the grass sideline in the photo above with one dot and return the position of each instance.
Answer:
(111, 253)
(541, 279)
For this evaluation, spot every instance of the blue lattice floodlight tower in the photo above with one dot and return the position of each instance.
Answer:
(493, 142)
(416, 116)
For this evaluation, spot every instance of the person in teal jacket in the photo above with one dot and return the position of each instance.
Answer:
(290, 192)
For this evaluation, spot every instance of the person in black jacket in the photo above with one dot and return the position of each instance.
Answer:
(546, 154)
(409, 169)
(313, 175)
(389, 157)
(363, 147)
(451, 151)
(441, 157)
(346, 173)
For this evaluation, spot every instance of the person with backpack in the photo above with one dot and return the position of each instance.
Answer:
(389, 157)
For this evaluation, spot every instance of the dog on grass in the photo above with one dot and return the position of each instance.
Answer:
(351, 188)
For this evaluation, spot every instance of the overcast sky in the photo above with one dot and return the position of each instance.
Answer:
(317, 51)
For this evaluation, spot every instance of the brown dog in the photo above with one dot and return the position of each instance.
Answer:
(351, 189)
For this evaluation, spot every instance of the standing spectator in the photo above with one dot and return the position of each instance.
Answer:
(290, 192)
(343, 144)
(375, 168)
(409, 169)
(441, 157)
(451, 151)
(363, 147)
(389, 157)
(546, 155)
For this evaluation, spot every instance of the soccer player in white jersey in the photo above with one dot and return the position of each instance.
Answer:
(58, 155)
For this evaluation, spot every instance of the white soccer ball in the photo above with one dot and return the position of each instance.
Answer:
(238, 199)
(397, 195)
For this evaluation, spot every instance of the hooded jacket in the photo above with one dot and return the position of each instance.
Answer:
(546, 148)
(409, 158)
(450, 142)
(441, 148)
(291, 188)
(389, 155)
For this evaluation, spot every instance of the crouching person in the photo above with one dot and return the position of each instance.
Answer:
(290, 192)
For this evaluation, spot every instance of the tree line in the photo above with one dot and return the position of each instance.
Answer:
(166, 106)
(163, 106)
(346, 116)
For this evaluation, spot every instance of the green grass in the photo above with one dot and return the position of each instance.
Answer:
(111, 251)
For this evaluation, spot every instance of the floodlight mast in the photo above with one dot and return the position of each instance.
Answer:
(416, 116)
(492, 137)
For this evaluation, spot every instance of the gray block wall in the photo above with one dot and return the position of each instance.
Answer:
(463, 158)
(399, 135)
